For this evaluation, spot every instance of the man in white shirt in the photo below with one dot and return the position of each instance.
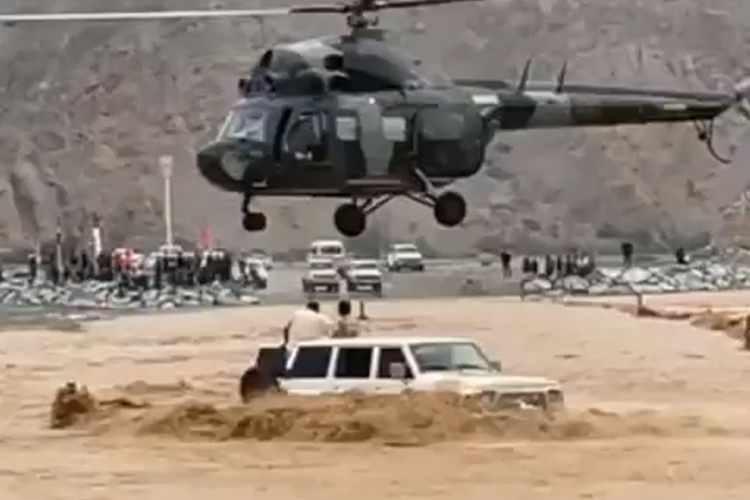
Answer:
(308, 322)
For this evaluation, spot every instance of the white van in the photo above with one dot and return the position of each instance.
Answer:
(326, 250)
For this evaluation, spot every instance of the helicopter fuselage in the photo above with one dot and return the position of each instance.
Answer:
(354, 117)
(346, 145)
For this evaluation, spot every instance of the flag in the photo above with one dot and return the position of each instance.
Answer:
(205, 237)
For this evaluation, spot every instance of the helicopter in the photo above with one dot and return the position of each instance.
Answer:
(353, 117)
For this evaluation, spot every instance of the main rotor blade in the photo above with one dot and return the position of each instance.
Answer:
(342, 8)
(173, 14)
(406, 4)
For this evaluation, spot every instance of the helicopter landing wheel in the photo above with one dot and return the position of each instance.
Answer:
(450, 209)
(252, 221)
(350, 220)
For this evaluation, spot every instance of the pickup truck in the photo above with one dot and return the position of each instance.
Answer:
(391, 365)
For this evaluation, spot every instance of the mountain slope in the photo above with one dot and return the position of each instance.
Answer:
(87, 109)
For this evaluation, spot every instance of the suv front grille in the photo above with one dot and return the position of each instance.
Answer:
(529, 398)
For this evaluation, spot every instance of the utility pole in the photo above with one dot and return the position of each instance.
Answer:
(96, 242)
(165, 162)
(59, 265)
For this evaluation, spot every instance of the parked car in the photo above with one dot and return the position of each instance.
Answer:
(404, 256)
(263, 257)
(321, 273)
(257, 271)
(333, 250)
(364, 274)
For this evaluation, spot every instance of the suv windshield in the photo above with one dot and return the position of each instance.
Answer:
(450, 357)
(365, 265)
(330, 250)
(321, 265)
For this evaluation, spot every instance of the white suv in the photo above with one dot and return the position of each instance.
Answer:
(404, 256)
(390, 365)
(365, 274)
(321, 273)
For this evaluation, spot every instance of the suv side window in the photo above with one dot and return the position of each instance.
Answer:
(354, 362)
(390, 355)
(311, 362)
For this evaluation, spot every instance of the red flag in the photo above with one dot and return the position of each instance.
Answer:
(205, 237)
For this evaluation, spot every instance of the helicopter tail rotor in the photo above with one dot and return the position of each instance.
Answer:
(740, 104)
(742, 95)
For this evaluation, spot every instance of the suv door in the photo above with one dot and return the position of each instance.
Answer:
(383, 383)
(309, 370)
(353, 368)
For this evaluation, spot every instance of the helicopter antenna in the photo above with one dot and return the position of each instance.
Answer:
(560, 84)
(524, 77)
(355, 11)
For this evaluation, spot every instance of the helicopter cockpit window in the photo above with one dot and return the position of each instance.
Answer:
(245, 123)
(305, 137)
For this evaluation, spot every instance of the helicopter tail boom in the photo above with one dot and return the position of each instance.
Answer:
(536, 106)
(544, 109)
(539, 106)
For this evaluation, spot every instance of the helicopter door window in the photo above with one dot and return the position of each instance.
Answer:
(306, 137)
(394, 128)
(346, 128)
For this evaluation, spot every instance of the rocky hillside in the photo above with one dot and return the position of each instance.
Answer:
(87, 109)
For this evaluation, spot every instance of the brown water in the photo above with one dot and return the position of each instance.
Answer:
(658, 409)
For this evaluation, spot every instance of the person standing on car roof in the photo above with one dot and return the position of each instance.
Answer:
(346, 326)
(308, 322)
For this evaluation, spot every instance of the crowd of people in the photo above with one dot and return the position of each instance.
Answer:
(132, 270)
(551, 267)
(560, 266)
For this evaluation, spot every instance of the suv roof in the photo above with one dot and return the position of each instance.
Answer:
(369, 341)
(320, 243)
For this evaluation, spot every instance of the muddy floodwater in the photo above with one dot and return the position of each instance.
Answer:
(659, 409)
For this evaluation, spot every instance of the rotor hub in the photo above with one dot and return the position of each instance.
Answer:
(358, 20)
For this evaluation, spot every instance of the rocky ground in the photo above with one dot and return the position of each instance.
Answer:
(699, 277)
(108, 295)
(87, 109)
